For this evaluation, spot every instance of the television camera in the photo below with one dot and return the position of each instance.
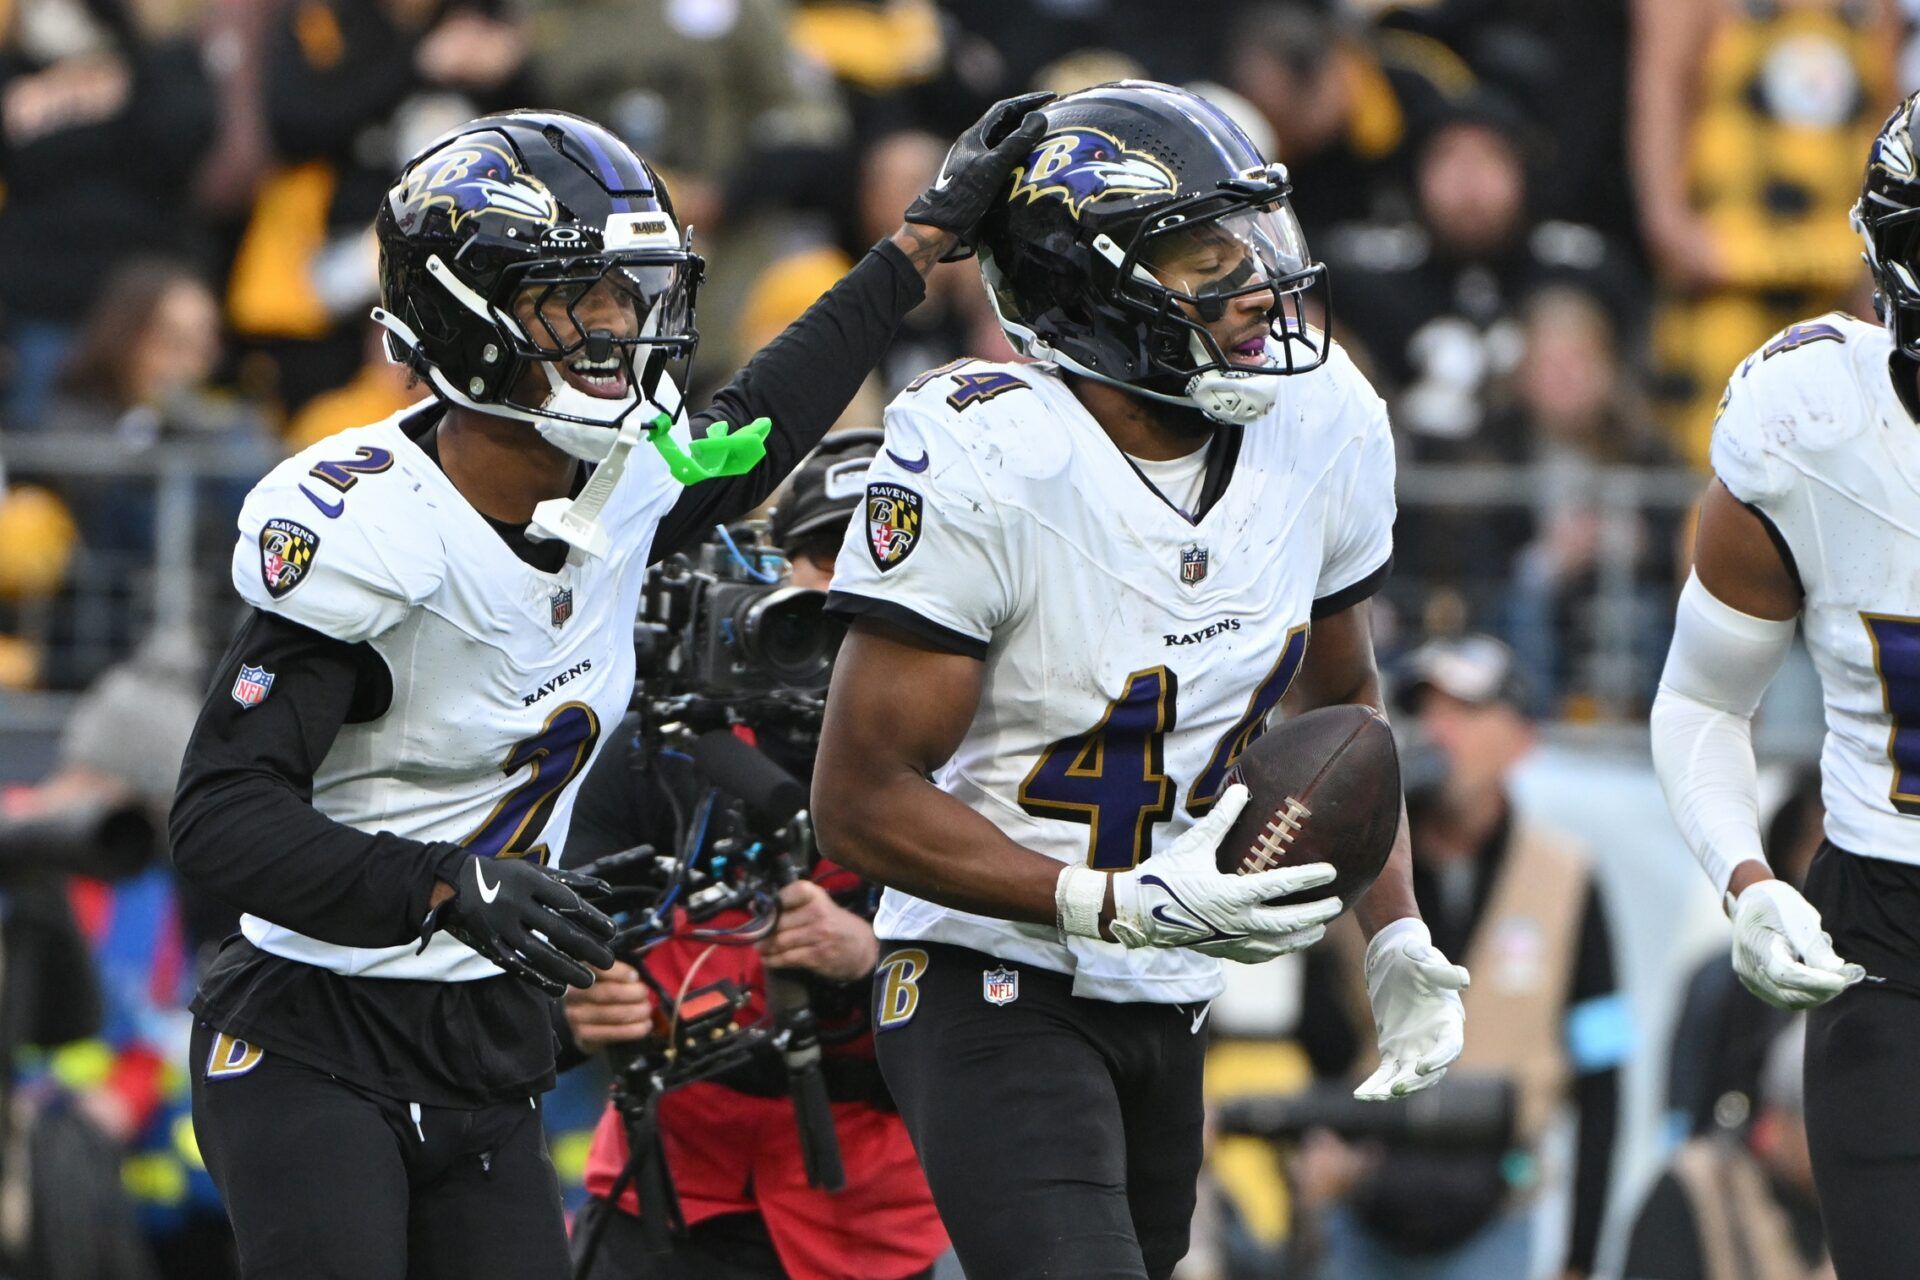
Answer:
(723, 645)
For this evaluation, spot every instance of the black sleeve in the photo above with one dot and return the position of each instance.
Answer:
(1665, 1244)
(803, 380)
(243, 825)
(1347, 597)
(1596, 1093)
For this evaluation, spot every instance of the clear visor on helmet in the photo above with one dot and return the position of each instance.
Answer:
(629, 301)
(1209, 261)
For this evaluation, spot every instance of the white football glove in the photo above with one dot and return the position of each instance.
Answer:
(1415, 993)
(1780, 951)
(1180, 898)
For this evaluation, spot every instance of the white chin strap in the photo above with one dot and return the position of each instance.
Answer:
(589, 443)
(1230, 396)
(574, 521)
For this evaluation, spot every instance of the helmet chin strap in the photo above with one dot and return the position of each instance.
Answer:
(589, 441)
(576, 520)
(1234, 397)
(1228, 397)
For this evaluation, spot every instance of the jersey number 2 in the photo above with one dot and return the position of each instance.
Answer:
(1113, 777)
(1896, 657)
(554, 757)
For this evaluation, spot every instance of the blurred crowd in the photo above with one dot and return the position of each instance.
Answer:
(1553, 227)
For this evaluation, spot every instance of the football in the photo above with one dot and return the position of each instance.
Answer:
(1322, 787)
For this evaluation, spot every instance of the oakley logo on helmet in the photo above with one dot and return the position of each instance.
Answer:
(1082, 165)
(477, 177)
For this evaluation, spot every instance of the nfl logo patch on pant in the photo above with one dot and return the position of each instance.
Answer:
(1000, 986)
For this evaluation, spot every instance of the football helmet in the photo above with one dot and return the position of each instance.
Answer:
(1140, 216)
(1887, 216)
(531, 239)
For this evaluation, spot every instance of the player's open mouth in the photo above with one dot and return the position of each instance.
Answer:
(606, 379)
(1251, 350)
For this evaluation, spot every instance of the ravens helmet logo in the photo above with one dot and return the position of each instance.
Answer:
(1082, 165)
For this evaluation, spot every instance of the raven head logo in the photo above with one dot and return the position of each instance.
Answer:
(1083, 165)
(473, 176)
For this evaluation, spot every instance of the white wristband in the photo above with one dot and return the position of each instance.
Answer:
(1078, 895)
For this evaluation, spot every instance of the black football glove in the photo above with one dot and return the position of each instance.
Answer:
(497, 906)
(976, 169)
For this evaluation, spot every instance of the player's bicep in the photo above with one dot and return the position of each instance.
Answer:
(895, 705)
(1741, 560)
(1340, 665)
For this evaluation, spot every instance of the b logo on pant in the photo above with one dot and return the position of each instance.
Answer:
(897, 993)
(231, 1057)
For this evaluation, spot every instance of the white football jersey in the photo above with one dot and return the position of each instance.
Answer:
(1131, 653)
(1812, 434)
(505, 678)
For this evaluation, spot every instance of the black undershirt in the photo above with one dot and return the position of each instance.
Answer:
(243, 827)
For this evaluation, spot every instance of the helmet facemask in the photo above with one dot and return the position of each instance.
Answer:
(1163, 276)
(628, 307)
(625, 318)
(1188, 268)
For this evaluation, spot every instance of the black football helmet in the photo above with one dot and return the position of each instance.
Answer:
(1887, 216)
(493, 237)
(1141, 197)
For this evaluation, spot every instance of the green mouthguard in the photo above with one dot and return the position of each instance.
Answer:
(726, 450)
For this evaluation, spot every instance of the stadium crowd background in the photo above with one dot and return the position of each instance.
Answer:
(1553, 228)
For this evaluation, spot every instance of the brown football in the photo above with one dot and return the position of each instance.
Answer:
(1322, 787)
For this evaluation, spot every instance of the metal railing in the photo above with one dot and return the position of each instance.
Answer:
(181, 582)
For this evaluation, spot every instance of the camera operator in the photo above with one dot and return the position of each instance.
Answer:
(732, 1145)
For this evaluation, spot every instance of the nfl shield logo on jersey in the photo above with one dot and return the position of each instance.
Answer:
(562, 602)
(250, 688)
(1000, 986)
(893, 523)
(286, 549)
(1193, 563)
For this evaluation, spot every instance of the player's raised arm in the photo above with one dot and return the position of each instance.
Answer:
(1733, 629)
(804, 379)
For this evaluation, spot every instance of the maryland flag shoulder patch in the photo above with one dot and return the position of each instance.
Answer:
(894, 513)
(287, 548)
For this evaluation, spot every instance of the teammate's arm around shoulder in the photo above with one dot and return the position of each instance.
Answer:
(1733, 629)
(1413, 988)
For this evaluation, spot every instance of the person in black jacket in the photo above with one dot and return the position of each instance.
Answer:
(442, 607)
(100, 138)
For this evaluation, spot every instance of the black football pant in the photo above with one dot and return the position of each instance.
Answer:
(1061, 1136)
(1863, 1068)
(325, 1181)
(733, 1246)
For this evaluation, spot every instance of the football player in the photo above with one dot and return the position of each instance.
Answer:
(1078, 589)
(441, 626)
(1810, 518)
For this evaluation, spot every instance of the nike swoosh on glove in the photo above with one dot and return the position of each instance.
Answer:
(532, 921)
(1179, 897)
(1415, 994)
(977, 167)
(1782, 953)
